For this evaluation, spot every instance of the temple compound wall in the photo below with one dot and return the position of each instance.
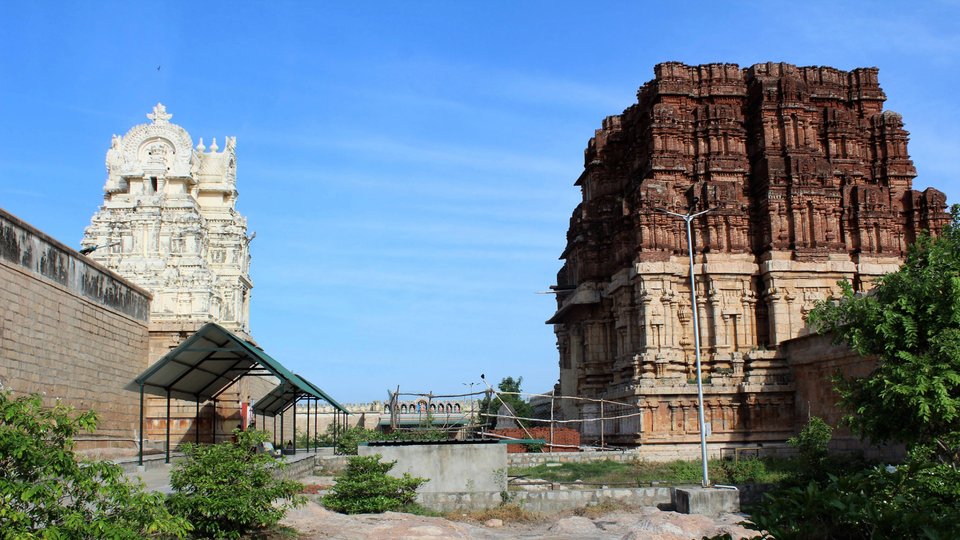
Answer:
(808, 182)
(73, 331)
(169, 224)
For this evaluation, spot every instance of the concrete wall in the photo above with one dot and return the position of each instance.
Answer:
(547, 502)
(454, 467)
(73, 330)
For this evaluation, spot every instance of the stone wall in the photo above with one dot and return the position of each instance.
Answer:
(814, 361)
(71, 330)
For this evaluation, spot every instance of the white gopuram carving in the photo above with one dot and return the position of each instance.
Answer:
(169, 224)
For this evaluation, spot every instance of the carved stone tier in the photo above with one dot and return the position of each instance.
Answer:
(169, 224)
(808, 181)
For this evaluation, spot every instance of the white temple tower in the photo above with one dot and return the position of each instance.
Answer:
(169, 224)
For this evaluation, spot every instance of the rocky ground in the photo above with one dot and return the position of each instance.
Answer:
(648, 523)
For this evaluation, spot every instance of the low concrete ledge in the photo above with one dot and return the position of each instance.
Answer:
(546, 502)
(708, 501)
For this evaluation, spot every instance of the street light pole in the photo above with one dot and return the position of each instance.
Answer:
(688, 218)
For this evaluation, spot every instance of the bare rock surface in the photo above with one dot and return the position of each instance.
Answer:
(648, 523)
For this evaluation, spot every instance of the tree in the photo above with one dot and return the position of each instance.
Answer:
(911, 322)
(228, 489)
(510, 393)
(47, 492)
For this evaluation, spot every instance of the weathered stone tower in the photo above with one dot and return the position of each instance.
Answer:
(169, 224)
(810, 182)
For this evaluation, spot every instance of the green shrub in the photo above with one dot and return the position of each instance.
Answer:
(919, 498)
(812, 440)
(686, 471)
(350, 439)
(226, 489)
(745, 470)
(46, 492)
(365, 487)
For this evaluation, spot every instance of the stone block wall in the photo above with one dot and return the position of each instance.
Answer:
(814, 360)
(71, 330)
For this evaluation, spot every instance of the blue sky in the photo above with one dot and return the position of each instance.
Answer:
(408, 166)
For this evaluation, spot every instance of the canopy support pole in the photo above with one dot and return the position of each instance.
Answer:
(196, 423)
(213, 422)
(167, 458)
(294, 427)
(140, 452)
(336, 432)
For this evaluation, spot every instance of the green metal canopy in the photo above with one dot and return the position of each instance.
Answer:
(206, 364)
(210, 361)
(287, 393)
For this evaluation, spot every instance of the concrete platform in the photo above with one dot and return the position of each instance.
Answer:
(710, 501)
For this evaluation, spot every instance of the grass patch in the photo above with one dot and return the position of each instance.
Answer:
(508, 513)
(643, 473)
(419, 510)
(602, 509)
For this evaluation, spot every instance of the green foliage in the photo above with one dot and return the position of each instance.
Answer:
(915, 500)
(365, 487)
(911, 321)
(812, 441)
(510, 394)
(46, 492)
(686, 471)
(226, 489)
(744, 471)
(349, 439)
(323, 440)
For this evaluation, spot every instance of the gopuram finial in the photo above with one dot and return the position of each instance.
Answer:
(160, 115)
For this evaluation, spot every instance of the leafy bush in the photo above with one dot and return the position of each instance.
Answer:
(321, 441)
(914, 500)
(46, 492)
(812, 441)
(744, 470)
(365, 487)
(349, 439)
(226, 489)
(686, 471)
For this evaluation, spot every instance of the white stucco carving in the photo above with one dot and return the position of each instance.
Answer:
(169, 223)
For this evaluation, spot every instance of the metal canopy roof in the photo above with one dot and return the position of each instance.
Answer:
(323, 395)
(206, 363)
(286, 394)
